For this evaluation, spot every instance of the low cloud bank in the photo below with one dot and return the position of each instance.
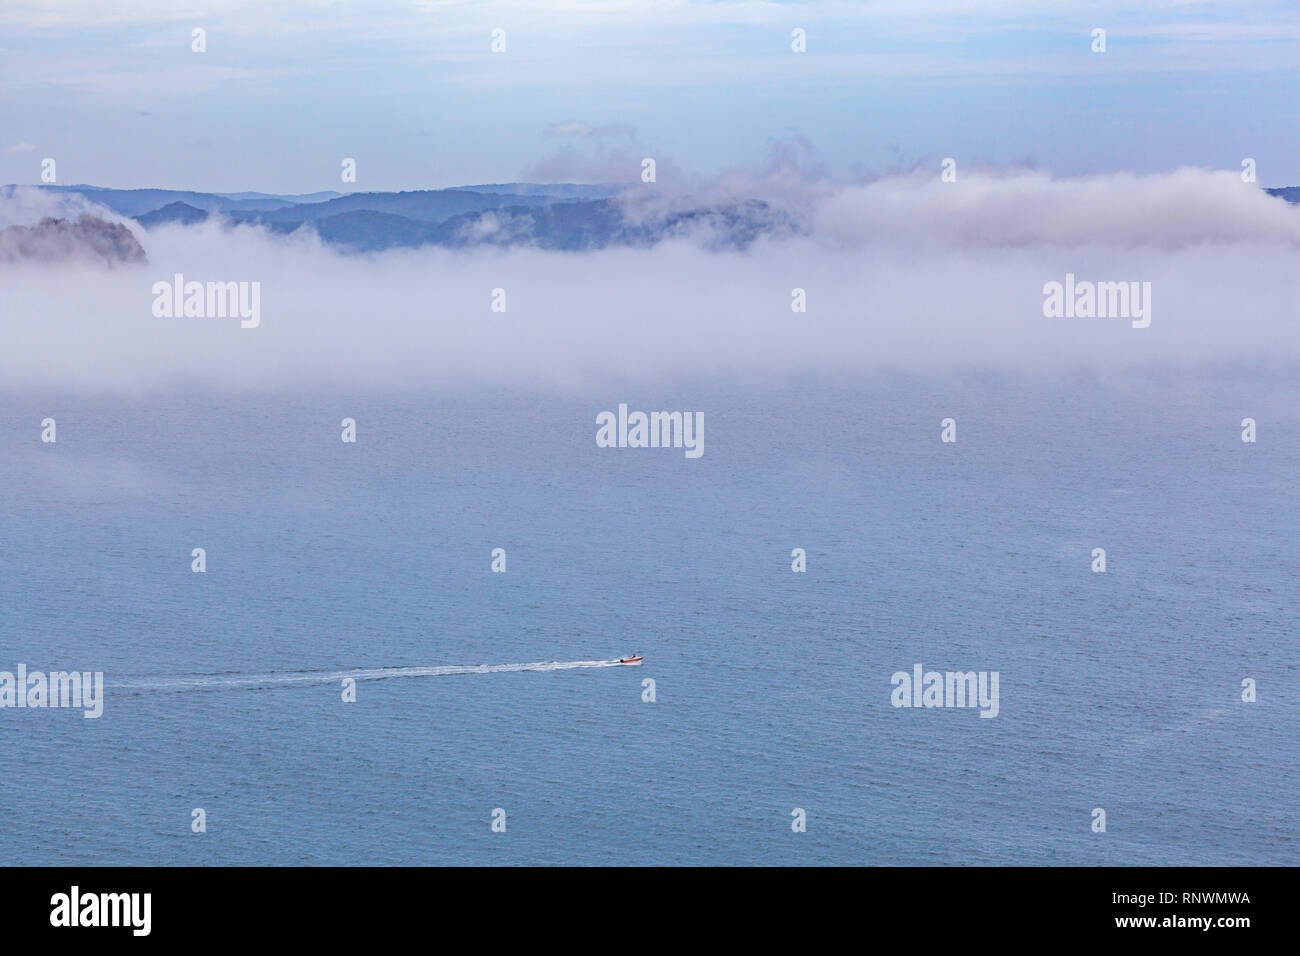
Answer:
(906, 273)
(1171, 210)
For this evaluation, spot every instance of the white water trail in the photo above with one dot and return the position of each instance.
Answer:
(290, 678)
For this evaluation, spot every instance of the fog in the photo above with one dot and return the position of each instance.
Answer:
(906, 273)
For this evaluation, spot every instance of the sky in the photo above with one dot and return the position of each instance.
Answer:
(583, 91)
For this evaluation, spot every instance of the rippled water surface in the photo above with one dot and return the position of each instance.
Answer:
(327, 560)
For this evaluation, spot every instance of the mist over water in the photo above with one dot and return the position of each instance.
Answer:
(902, 274)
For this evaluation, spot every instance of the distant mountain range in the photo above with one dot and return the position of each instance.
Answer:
(550, 216)
(568, 217)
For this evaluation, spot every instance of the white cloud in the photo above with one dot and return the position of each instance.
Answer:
(898, 274)
(1169, 210)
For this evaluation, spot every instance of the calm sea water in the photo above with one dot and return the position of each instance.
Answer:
(1117, 690)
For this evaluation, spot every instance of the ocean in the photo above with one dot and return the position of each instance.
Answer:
(1119, 691)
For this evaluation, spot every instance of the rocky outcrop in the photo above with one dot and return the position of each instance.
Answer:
(86, 239)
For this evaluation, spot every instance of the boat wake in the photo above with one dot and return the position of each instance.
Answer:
(291, 678)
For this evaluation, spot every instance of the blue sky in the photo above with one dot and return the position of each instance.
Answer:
(412, 91)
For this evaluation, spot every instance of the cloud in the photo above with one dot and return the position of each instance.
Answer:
(25, 206)
(585, 130)
(21, 148)
(1030, 208)
(496, 226)
(607, 153)
(905, 273)
(570, 165)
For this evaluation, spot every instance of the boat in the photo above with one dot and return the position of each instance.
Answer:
(634, 659)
